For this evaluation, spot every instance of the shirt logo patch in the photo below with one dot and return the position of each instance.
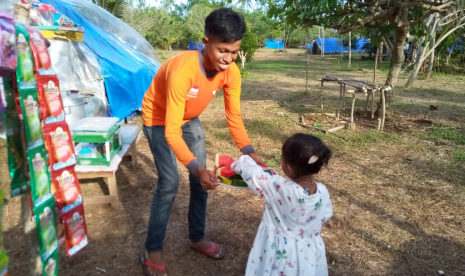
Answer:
(193, 92)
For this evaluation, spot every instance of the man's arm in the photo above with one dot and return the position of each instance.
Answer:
(232, 102)
(175, 104)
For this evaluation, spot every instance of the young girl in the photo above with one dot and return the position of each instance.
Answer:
(288, 242)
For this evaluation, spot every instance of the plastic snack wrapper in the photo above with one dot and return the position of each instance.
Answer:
(50, 266)
(46, 228)
(31, 116)
(50, 101)
(4, 262)
(60, 226)
(17, 162)
(60, 146)
(8, 56)
(67, 188)
(75, 229)
(2, 204)
(39, 175)
(25, 69)
(42, 62)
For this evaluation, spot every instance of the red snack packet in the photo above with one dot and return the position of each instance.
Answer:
(60, 146)
(50, 101)
(66, 186)
(75, 230)
(60, 226)
(42, 62)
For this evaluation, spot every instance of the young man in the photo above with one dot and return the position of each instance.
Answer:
(181, 90)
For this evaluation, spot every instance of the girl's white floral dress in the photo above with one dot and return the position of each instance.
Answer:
(288, 241)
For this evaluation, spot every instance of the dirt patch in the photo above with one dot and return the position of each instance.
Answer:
(398, 196)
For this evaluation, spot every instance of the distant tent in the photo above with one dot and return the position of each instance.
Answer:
(334, 45)
(274, 44)
(195, 46)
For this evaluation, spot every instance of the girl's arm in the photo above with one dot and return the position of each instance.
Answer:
(257, 179)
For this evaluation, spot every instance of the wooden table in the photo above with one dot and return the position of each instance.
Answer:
(91, 172)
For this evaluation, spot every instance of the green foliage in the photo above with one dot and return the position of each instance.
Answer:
(195, 21)
(455, 135)
(248, 46)
(115, 7)
(459, 156)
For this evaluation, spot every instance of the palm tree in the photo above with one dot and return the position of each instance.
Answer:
(115, 7)
(168, 5)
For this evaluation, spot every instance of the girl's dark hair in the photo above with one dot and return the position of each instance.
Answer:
(297, 151)
(226, 25)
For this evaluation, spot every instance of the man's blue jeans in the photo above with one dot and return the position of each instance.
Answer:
(168, 183)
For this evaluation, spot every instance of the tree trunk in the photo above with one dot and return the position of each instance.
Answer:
(429, 70)
(418, 62)
(398, 56)
(350, 48)
(380, 54)
(376, 66)
(450, 53)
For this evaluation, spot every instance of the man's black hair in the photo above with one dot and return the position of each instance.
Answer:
(226, 25)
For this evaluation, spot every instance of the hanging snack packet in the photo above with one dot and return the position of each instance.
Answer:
(60, 225)
(67, 188)
(2, 203)
(60, 145)
(25, 70)
(4, 262)
(46, 228)
(40, 178)
(42, 62)
(50, 99)
(8, 58)
(50, 266)
(30, 108)
(75, 229)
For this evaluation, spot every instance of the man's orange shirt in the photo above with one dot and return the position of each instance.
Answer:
(180, 91)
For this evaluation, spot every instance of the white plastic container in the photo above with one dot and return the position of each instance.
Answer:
(129, 134)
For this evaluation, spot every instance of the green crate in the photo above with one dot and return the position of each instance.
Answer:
(95, 137)
(102, 160)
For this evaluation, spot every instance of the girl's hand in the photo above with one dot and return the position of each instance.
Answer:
(257, 159)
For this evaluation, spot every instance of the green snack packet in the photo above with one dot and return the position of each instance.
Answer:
(16, 159)
(2, 203)
(46, 228)
(4, 262)
(50, 266)
(30, 108)
(40, 177)
(25, 69)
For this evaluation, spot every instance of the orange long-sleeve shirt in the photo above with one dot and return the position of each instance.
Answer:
(181, 90)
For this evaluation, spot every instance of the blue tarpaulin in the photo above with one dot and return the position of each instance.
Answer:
(125, 57)
(195, 46)
(334, 45)
(274, 44)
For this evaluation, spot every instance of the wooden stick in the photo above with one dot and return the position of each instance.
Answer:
(365, 112)
(376, 65)
(313, 128)
(373, 104)
(334, 129)
(383, 95)
(352, 124)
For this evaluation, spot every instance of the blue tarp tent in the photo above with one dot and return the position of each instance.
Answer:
(195, 46)
(334, 45)
(124, 56)
(274, 44)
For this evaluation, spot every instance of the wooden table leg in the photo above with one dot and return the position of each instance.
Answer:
(113, 190)
(133, 150)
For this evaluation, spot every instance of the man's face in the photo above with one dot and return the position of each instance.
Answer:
(219, 55)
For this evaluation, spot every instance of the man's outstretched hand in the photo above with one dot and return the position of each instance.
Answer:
(208, 179)
(257, 159)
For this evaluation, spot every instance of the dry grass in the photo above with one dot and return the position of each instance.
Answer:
(398, 196)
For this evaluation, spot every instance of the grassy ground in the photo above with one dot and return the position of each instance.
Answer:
(398, 195)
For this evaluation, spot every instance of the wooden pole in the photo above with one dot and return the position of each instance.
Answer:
(373, 104)
(381, 53)
(306, 69)
(383, 99)
(376, 65)
(350, 48)
(352, 124)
